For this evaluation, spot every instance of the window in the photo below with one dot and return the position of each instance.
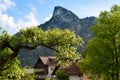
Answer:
(41, 69)
(52, 69)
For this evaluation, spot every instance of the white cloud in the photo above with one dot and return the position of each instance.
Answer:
(7, 22)
(48, 18)
(31, 21)
(5, 4)
(33, 9)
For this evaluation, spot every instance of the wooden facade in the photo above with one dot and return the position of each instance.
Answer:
(46, 68)
(42, 67)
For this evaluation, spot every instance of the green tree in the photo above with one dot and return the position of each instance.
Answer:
(10, 70)
(62, 42)
(61, 75)
(58, 40)
(28, 75)
(102, 54)
(47, 79)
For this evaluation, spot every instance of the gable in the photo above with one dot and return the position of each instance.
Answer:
(39, 64)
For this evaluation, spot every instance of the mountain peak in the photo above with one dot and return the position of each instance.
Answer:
(58, 7)
(63, 13)
(58, 10)
(63, 18)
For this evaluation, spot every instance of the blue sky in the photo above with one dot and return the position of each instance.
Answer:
(18, 14)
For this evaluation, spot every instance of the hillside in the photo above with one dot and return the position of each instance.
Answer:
(63, 19)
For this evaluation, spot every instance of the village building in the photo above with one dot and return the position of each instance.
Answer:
(72, 70)
(46, 68)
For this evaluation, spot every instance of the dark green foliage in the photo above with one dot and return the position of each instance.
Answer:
(61, 75)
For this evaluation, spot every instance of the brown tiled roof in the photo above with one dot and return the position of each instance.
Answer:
(73, 69)
(48, 60)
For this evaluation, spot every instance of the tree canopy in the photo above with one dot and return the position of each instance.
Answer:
(64, 43)
(102, 54)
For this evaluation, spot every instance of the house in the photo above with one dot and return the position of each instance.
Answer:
(73, 72)
(46, 68)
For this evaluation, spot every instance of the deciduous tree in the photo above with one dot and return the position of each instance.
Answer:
(102, 54)
(63, 42)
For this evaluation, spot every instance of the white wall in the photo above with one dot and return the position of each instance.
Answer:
(75, 77)
(50, 70)
(29, 70)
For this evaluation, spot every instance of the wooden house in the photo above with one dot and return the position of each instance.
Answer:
(73, 72)
(46, 68)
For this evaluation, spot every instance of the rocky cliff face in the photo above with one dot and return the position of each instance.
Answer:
(63, 19)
